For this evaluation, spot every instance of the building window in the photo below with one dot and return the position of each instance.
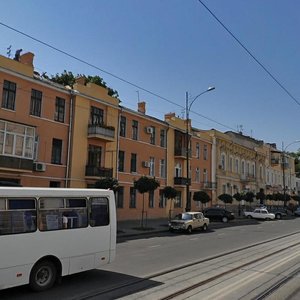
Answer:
(54, 184)
(123, 126)
(197, 150)
(133, 162)
(9, 95)
(197, 177)
(132, 203)
(56, 151)
(135, 127)
(151, 199)
(94, 156)
(205, 179)
(59, 115)
(223, 161)
(120, 197)
(162, 199)
(97, 116)
(205, 152)
(152, 136)
(121, 161)
(253, 170)
(243, 168)
(36, 103)
(230, 164)
(163, 138)
(152, 166)
(178, 200)
(178, 170)
(236, 165)
(16, 140)
(162, 168)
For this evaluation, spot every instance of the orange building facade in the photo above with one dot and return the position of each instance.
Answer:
(34, 126)
(57, 136)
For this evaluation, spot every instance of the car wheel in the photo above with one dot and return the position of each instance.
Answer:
(42, 276)
(171, 229)
(189, 230)
(204, 227)
(278, 216)
(224, 219)
(249, 217)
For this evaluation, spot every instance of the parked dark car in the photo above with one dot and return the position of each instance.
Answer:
(218, 214)
(297, 212)
(279, 212)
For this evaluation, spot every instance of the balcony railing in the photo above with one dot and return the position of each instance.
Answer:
(181, 181)
(98, 171)
(19, 164)
(209, 185)
(180, 152)
(101, 131)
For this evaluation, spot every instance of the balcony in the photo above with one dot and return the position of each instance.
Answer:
(16, 163)
(275, 161)
(101, 132)
(248, 177)
(180, 152)
(209, 185)
(93, 171)
(181, 181)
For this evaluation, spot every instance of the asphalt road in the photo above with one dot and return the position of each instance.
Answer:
(138, 258)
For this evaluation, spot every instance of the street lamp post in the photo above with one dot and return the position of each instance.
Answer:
(283, 168)
(188, 106)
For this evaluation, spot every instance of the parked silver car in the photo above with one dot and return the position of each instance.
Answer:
(189, 221)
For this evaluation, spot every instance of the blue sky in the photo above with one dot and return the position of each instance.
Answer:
(171, 47)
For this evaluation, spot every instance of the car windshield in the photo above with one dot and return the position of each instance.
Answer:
(183, 217)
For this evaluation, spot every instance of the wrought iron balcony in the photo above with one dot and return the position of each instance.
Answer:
(181, 181)
(101, 132)
(94, 171)
(209, 185)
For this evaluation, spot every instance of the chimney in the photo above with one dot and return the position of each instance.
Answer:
(169, 116)
(142, 107)
(80, 80)
(27, 59)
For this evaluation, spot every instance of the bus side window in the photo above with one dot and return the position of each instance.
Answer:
(99, 211)
(17, 215)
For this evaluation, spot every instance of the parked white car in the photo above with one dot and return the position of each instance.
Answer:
(259, 213)
(189, 221)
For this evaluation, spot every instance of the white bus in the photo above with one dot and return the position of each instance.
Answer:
(47, 233)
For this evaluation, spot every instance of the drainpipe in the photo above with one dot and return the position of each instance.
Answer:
(67, 181)
(118, 144)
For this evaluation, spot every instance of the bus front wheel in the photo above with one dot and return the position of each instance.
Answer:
(42, 276)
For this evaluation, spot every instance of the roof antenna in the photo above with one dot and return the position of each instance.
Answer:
(8, 51)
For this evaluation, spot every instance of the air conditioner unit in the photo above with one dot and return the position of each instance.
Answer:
(146, 164)
(39, 167)
(149, 130)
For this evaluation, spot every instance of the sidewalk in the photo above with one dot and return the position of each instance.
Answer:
(133, 227)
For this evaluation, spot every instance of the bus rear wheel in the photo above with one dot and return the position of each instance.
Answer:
(42, 276)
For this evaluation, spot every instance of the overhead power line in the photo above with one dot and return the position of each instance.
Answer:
(250, 54)
(109, 73)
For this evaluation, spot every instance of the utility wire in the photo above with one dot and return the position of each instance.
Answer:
(250, 54)
(109, 73)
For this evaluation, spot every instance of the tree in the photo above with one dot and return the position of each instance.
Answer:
(170, 193)
(226, 198)
(261, 196)
(238, 197)
(296, 198)
(68, 78)
(202, 197)
(249, 197)
(145, 184)
(107, 183)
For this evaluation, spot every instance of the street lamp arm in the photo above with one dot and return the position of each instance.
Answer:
(298, 141)
(208, 90)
